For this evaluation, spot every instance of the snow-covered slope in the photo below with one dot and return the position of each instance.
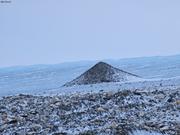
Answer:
(135, 107)
(41, 78)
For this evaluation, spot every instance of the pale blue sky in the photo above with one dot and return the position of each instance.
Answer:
(54, 31)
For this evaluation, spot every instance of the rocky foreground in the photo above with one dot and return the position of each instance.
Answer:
(111, 113)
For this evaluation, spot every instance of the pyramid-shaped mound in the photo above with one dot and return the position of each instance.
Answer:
(102, 72)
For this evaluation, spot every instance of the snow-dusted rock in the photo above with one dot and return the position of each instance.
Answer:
(102, 72)
(143, 132)
(126, 112)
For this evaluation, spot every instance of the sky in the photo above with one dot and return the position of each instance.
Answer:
(55, 31)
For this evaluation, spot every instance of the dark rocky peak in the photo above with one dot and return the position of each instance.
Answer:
(100, 73)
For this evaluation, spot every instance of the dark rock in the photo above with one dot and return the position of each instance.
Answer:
(62, 133)
(102, 72)
(13, 121)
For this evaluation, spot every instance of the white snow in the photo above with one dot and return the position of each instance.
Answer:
(143, 132)
(145, 85)
(44, 78)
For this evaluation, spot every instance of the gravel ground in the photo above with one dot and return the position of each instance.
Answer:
(103, 113)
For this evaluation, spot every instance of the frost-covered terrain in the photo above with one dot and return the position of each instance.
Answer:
(123, 112)
(33, 101)
(41, 78)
